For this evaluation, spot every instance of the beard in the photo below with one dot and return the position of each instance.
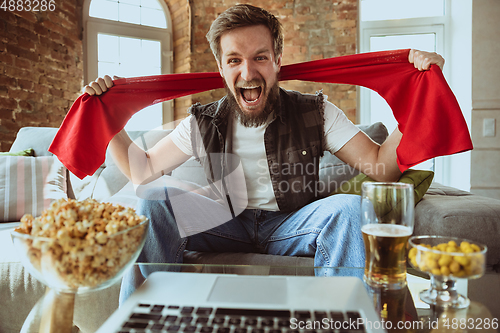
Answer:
(250, 119)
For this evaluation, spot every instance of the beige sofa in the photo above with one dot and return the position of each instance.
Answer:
(442, 211)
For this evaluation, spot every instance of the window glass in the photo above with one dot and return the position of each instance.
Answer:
(104, 9)
(108, 48)
(129, 13)
(376, 10)
(151, 54)
(423, 42)
(380, 110)
(131, 2)
(153, 17)
(132, 57)
(152, 4)
(142, 12)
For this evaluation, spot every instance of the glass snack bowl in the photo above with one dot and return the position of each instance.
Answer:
(446, 259)
(75, 247)
(73, 265)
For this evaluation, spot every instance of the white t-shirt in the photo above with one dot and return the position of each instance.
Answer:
(248, 145)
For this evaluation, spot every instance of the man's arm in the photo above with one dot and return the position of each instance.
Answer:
(133, 161)
(376, 161)
(138, 165)
(379, 162)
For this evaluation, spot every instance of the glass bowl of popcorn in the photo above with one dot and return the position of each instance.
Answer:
(79, 246)
(446, 259)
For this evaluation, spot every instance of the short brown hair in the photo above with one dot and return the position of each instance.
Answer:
(240, 16)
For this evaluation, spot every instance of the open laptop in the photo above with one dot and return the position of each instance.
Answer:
(220, 303)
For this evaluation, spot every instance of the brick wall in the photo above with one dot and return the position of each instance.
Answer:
(41, 54)
(180, 13)
(41, 67)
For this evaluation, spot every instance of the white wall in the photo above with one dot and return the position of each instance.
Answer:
(485, 97)
(458, 73)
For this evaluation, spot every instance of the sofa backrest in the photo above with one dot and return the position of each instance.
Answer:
(333, 172)
(108, 180)
(105, 182)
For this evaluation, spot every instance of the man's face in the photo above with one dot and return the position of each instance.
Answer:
(250, 69)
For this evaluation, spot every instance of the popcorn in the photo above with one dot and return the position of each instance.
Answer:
(82, 243)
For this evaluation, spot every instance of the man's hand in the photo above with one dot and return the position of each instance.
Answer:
(100, 85)
(423, 60)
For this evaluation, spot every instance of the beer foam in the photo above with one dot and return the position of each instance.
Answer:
(386, 230)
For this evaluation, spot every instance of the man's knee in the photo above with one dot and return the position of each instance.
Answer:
(343, 202)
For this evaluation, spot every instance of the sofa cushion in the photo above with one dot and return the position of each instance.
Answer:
(25, 139)
(19, 291)
(129, 195)
(25, 152)
(333, 172)
(29, 184)
(420, 179)
(447, 211)
(38, 138)
(192, 171)
(103, 183)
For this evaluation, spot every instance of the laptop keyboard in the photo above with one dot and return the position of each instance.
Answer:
(153, 318)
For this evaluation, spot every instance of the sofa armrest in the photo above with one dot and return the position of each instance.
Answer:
(447, 211)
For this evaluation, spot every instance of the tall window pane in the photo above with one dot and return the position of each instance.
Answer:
(376, 10)
(380, 110)
(131, 57)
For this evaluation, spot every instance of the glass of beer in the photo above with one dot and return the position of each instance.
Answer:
(387, 217)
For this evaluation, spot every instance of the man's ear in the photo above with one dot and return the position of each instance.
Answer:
(220, 68)
(278, 62)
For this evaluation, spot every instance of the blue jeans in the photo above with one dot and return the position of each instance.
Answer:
(327, 229)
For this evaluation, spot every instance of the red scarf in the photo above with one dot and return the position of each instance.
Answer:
(427, 112)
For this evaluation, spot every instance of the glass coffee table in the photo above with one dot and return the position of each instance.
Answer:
(400, 310)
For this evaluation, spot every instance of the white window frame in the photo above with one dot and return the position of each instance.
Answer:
(436, 25)
(94, 26)
(376, 29)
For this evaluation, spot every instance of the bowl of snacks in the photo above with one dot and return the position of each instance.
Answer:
(78, 246)
(446, 259)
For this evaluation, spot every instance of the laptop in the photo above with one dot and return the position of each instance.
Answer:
(221, 303)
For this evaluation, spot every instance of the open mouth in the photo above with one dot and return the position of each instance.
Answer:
(251, 95)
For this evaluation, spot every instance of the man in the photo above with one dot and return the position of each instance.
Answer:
(272, 132)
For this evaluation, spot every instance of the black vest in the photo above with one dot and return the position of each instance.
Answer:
(294, 143)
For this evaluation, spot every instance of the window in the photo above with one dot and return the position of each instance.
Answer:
(142, 12)
(443, 26)
(382, 10)
(130, 38)
(391, 25)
